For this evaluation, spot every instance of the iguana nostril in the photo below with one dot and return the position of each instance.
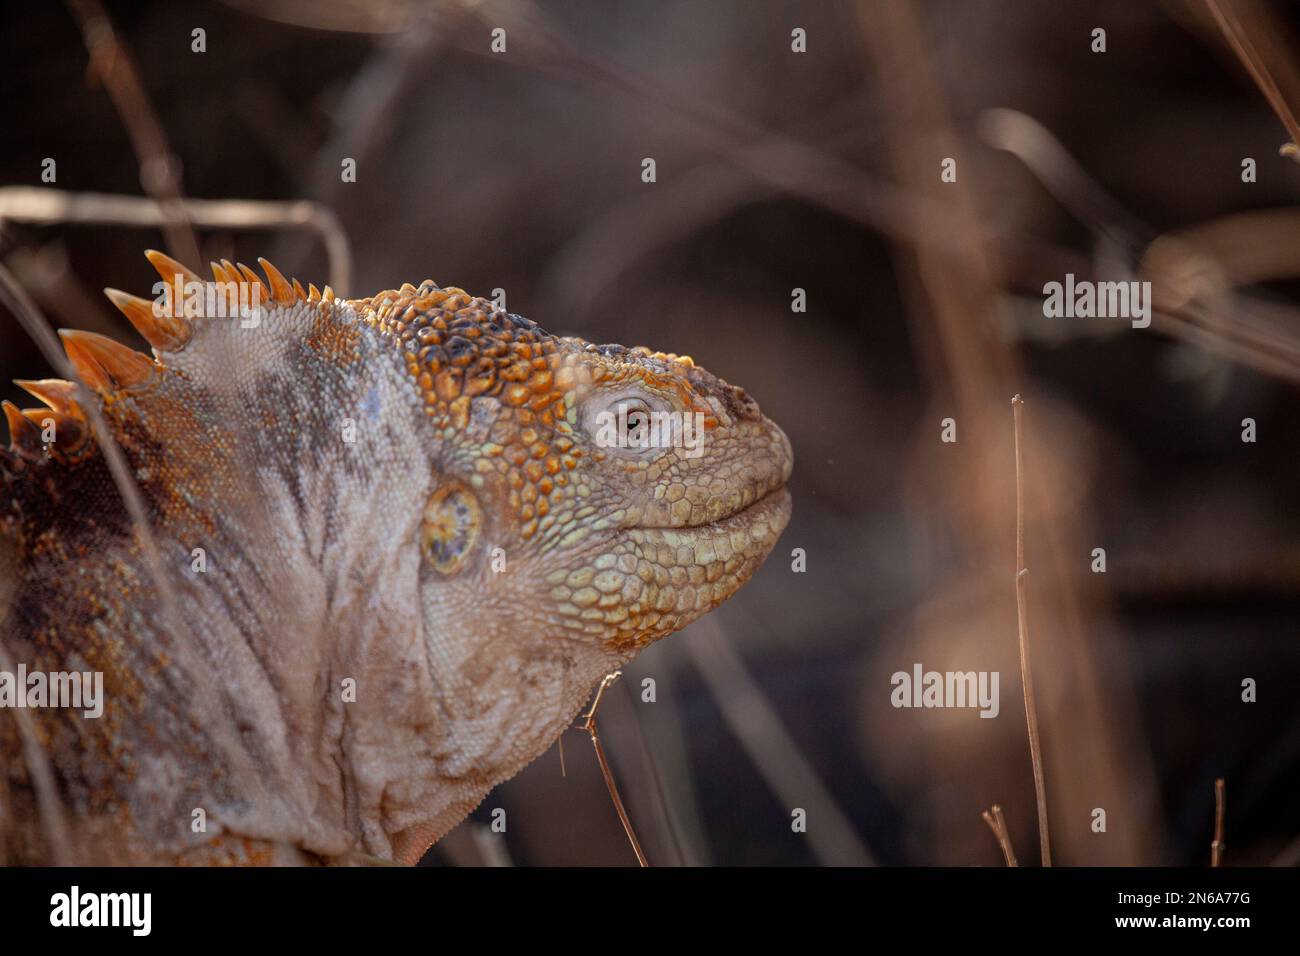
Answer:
(459, 350)
(748, 407)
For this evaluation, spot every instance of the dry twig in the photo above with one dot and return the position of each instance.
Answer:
(1220, 799)
(24, 310)
(39, 206)
(768, 744)
(1242, 39)
(159, 166)
(589, 725)
(39, 771)
(1235, 250)
(1026, 673)
(998, 824)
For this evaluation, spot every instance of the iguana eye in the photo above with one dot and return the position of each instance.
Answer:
(625, 425)
(636, 423)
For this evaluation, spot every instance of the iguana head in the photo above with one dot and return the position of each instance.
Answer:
(615, 494)
(465, 519)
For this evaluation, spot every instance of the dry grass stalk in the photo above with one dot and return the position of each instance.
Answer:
(998, 824)
(1239, 37)
(1220, 799)
(159, 167)
(1026, 673)
(45, 206)
(1244, 255)
(14, 298)
(41, 774)
(753, 719)
(589, 725)
(42, 778)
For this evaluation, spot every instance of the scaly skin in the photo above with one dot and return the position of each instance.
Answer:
(421, 554)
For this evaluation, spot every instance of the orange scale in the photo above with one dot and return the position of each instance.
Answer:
(515, 394)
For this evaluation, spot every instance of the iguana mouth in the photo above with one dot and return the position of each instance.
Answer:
(771, 510)
(774, 500)
(761, 498)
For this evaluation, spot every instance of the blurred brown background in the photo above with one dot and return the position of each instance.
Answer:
(779, 170)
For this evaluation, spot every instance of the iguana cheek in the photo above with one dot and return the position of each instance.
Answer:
(450, 528)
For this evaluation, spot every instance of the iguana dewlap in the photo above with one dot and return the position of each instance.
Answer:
(402, 544)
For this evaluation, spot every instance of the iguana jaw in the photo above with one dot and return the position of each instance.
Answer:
(724, 553)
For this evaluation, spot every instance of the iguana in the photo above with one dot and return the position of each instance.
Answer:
(400, 553)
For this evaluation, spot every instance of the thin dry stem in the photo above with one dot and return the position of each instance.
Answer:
(776, 755)
(1268, 346)
(24, 310)
(1220, 799)
(48, 803)
(43, 206)
(1239, 38)
(589, 725)
(1022, 617)
(998, 824)
(159, 166)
